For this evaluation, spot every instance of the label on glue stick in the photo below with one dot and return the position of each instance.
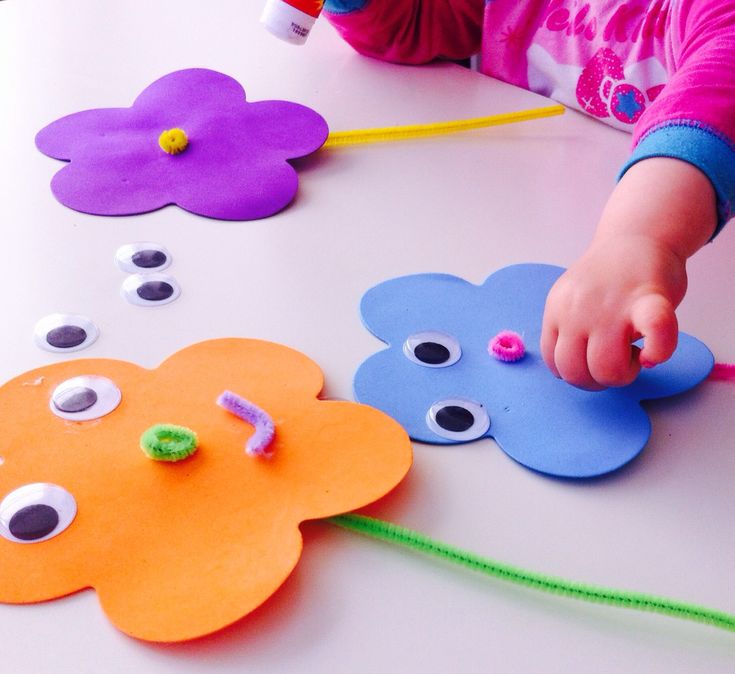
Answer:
(291, 21)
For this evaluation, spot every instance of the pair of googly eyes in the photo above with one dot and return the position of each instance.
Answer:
(36, 512)
(458, 419)
(147, 285)
(39, 511)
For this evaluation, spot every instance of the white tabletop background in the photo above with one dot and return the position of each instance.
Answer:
(465, 204)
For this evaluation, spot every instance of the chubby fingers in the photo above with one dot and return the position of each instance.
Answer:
(564, 351)
(602, 354)
(593, 362)
(571, 358)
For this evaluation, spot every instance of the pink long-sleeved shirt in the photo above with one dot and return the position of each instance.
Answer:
(664, 69)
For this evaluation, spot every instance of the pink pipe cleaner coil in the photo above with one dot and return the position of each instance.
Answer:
(260, 442)
(507, 346)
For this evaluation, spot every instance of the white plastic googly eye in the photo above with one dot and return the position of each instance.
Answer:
(458, 419)
(143, 256)
(36, 512)
(150, 289)
(432, 349)
(65, 332)
(84, 398)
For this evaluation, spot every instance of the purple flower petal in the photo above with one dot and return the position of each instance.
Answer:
(234, 168)
(189, 89)
(86, 129)
(80, 186)
(236, 192)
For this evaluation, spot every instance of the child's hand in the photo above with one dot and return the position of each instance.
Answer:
(623, 288)
(633, 276)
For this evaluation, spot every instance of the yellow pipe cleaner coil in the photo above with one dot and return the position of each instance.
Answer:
(392, 133)
(173, 141)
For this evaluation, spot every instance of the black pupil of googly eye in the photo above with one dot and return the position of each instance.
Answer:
(66, 336)
(431, 353)
(148, 259)
(155, 291)
(33, 522)
(75, 399)
(455, 418)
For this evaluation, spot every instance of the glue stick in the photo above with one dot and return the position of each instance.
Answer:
(291, 20)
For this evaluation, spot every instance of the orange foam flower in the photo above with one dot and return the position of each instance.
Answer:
(179, 550)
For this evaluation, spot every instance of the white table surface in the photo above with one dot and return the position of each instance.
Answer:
(364, 214)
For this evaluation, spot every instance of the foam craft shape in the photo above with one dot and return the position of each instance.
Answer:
(540, 421)
(234, 168)
(178, 550)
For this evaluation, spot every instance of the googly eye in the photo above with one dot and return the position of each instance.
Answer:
(84, 398)
(150, 289)
(458, 419)
(36, 512)
(65, 332)
(432, 349)
(142, 256)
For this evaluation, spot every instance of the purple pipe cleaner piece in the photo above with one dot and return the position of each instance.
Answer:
(260, 442)
(234, 168)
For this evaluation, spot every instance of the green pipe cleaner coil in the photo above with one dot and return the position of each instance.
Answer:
(416, 541)
(168, 442)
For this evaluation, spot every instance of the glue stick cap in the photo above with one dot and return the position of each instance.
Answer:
(291, 21)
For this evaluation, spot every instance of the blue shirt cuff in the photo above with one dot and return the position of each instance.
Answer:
(702, 147)
(343, 6)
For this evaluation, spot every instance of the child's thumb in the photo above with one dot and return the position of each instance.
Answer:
(653, 317)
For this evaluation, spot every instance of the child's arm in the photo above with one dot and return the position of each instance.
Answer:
(631, 278)
(409, 31)
(677, 191)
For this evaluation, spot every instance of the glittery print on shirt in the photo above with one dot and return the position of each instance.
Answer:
(606, 61)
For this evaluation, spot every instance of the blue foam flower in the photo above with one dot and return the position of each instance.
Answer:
(439, 381)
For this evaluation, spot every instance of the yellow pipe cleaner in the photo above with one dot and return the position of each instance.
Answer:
(392, 133)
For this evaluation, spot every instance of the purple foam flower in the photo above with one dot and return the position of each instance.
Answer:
(234, 168)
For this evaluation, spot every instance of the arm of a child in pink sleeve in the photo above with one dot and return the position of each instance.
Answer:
(675, 192)
(693, 119)
(409, 31)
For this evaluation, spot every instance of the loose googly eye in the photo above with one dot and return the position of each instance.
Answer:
(432, 349)
(36, 512)
(84, 398)
(150, 289)
(458, 419)
(144, 255)
(65, 332)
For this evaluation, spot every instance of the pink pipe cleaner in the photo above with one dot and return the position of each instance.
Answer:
(259, 443)
(722, 372)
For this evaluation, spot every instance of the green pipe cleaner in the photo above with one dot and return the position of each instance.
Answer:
(392, 533)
